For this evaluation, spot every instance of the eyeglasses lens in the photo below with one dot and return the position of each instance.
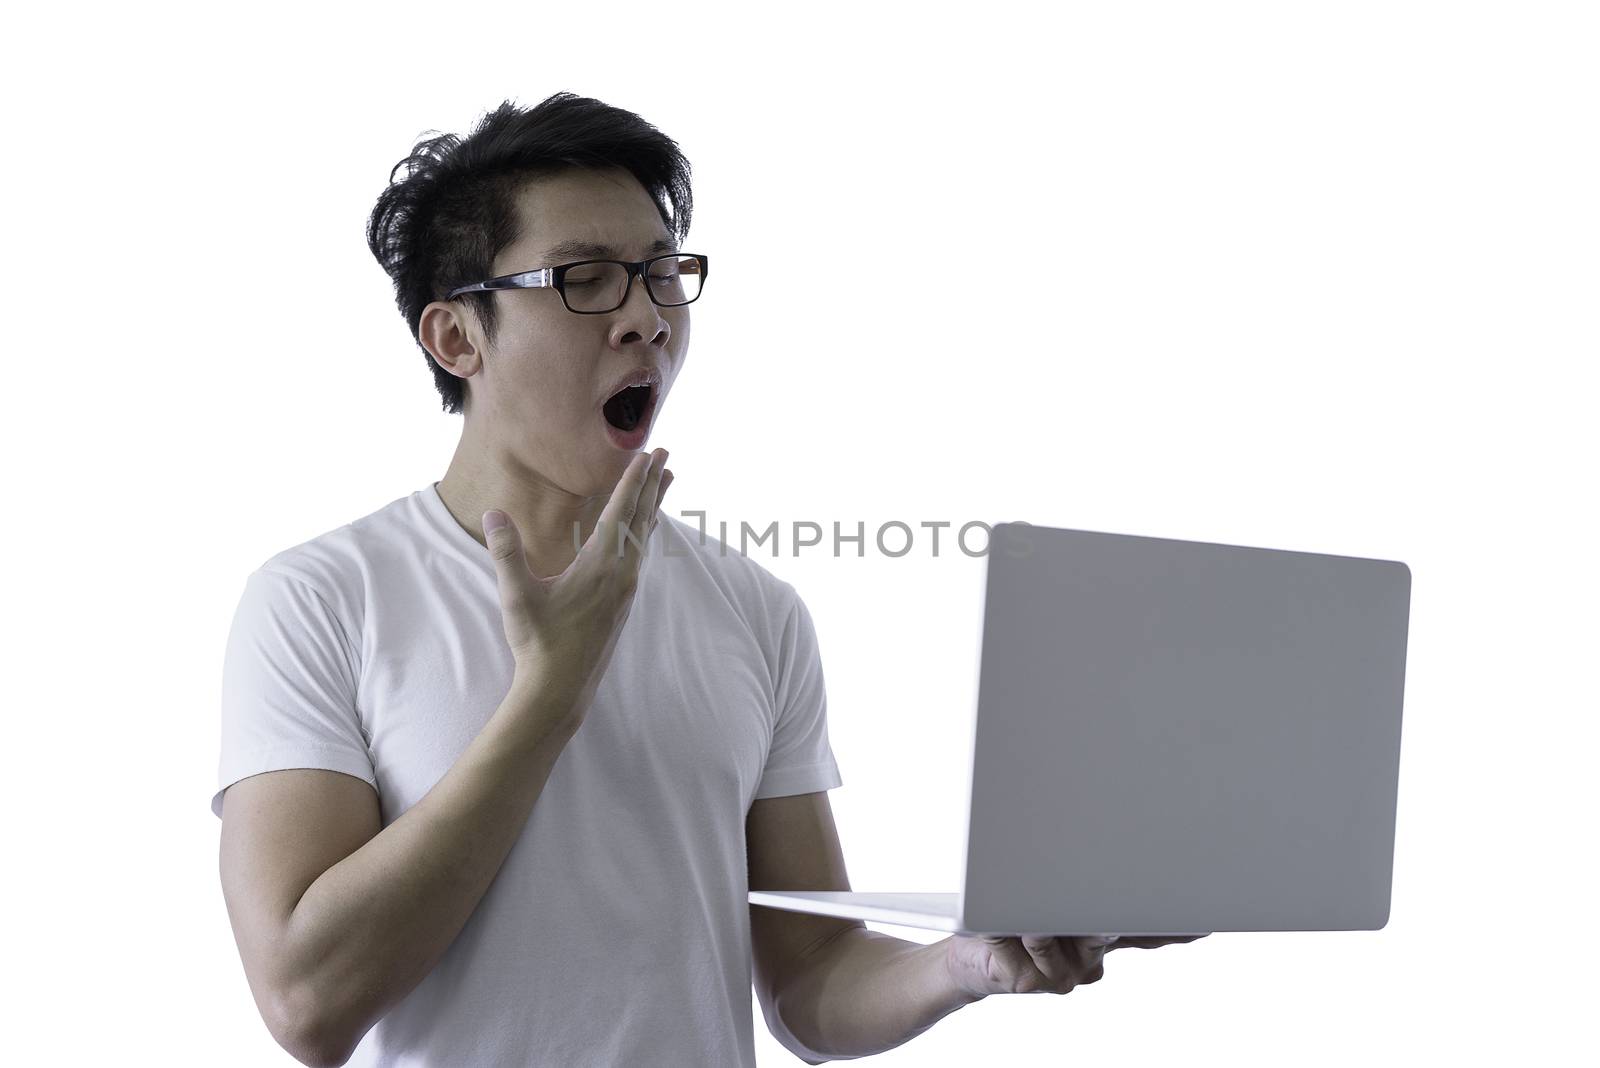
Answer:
(598, 287)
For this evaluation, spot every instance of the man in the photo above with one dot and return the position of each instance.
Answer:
(501, 760)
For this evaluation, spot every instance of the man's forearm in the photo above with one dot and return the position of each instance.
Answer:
(371, 927)
(866, 992)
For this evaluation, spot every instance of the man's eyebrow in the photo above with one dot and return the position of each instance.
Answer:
(567, 249)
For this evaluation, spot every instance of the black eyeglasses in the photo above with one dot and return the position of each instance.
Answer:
(594, 287)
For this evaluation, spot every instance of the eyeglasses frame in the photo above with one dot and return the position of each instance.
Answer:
(556, 278)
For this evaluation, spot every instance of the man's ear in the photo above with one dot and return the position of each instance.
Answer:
(443, 331)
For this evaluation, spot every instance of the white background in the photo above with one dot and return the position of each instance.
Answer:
(1310, 276)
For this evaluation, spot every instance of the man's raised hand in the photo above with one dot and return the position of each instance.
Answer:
(562, 629)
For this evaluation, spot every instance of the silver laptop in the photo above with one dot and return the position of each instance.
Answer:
(1173, 737)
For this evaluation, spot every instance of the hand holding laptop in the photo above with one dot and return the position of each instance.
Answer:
(982, 965)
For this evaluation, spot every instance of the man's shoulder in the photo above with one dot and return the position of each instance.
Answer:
(339, 562)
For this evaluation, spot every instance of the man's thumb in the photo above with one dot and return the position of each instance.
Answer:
(505, 545)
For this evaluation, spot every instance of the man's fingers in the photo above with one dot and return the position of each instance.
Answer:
(619, 510)
(666, 481)
(1155, 941)
(1092, 954)
(644, 516)
(1049, 958)
(1015, 969)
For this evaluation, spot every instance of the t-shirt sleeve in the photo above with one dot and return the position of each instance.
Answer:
(800, 760)
(288, 686)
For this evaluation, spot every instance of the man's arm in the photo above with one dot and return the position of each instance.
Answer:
(830, 988)
(334, 928)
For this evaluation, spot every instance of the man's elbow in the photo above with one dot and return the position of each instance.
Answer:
(778, 1027)
(313, 1057)
(315, 1051)
(308, 1037)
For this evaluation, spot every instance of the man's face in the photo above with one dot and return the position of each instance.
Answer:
(540, 395)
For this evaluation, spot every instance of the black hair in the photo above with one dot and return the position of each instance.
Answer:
(442, 224)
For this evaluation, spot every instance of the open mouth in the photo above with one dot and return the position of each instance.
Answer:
(629, 406)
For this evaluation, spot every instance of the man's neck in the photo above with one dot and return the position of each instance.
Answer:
(544, 513)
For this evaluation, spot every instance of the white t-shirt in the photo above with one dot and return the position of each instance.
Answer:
(618, 930)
